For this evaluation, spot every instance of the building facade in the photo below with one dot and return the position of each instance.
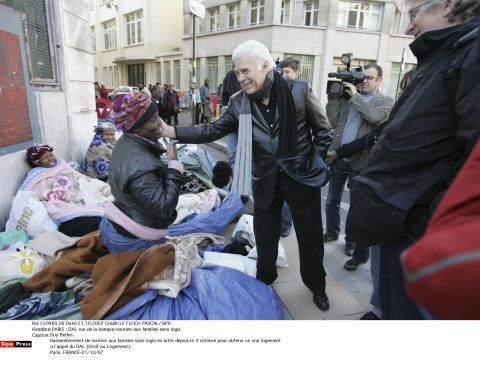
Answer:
(317, 32)
(46, 85)
(137, 41)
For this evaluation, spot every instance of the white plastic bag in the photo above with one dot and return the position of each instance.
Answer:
(245, 224)
(29, 214)
(19, 261)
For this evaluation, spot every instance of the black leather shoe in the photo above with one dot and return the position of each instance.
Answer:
(352, 264)
(369, 316)
(349, 249)
(321, 302)
(284, 234)
(328, 238)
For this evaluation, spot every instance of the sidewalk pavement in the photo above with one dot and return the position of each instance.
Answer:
(349, 292)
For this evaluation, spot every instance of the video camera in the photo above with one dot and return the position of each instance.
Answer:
(354, 76)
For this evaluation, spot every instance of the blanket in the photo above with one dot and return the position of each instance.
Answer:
(76, 260)
(66, 193)
(119, 277)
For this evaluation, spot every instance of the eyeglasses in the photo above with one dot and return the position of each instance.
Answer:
(412, 13)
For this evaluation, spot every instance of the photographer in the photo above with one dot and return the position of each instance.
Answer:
(359, 111)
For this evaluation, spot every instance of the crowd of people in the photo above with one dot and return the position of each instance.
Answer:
(399, 159)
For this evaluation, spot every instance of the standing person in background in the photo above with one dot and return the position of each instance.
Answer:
(144, 90)
(172, 103)
(205, 97)
(290, 68)
(283, 136)
(352, 116)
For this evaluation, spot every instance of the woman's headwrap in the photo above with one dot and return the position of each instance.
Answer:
(35, 153)
(131, 110)
(104, 124)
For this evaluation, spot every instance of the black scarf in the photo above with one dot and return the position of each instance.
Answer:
(278, 89)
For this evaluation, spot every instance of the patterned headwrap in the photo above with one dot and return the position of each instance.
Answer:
(132, 110)
(104, 124)
(35, 153)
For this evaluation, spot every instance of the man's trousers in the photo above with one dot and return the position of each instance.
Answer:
(305, 203)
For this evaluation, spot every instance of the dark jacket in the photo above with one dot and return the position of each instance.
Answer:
(230, 87)
(432, 127)
(144, 188)
(305, 165)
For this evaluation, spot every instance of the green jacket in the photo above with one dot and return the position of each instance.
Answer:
(373, 113)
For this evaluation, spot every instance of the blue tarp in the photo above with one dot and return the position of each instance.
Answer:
(213, 222)
(215, 293)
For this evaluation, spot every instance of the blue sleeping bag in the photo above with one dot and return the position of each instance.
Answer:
(215, 292)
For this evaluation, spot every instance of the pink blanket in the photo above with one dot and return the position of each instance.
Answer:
(68, 194)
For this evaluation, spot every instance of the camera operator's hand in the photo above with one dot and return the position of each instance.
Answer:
(350, 89)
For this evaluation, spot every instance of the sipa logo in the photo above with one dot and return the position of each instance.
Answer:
(15, 344)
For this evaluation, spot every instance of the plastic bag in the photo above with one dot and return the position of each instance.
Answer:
(29, 214)
(18, 260)
(245, 225)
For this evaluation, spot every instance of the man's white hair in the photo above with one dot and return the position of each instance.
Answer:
(256, 49)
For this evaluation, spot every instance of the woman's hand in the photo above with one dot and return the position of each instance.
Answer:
(172, 150)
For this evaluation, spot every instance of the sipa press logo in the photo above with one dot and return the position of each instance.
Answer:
(15, 344)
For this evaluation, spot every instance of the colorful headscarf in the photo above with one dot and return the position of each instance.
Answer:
(132, 110)
(104, 124)
(35, 153)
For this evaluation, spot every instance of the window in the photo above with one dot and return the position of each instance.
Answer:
(212, 72)
(306, 66)
(394, 77)
(228, 63)
(257, 11)
(158, 72)
(176, 73)
(115, 77)
(39, 38)
(94, 40)
(110, 34)
(234, 16)
(400, 20)
(285, 12)
(105, 76)
(134, 23)
(166, 66)
(359, 15)
(311, 14)
(214, 19)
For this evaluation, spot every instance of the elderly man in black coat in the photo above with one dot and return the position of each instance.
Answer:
(283, 137)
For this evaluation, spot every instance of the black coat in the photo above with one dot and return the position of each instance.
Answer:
(145, 189)
(305, 165)
(432, 128)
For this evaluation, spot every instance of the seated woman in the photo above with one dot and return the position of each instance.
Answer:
(146, 191)
(75, 201)
(99, 153)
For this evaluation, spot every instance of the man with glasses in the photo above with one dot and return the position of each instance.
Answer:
(429, 134)
(351, 118)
